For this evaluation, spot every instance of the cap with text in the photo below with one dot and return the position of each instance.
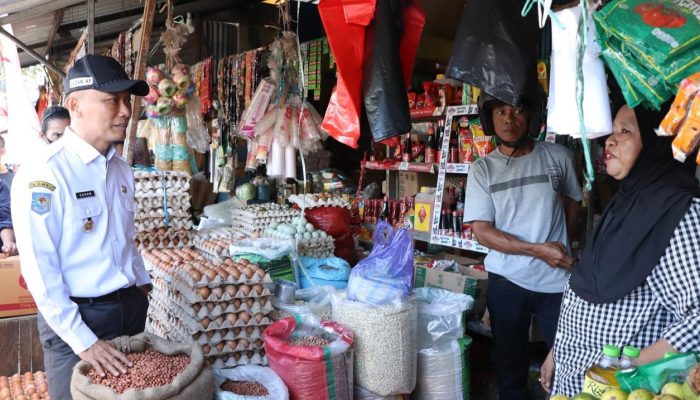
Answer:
(103, 74)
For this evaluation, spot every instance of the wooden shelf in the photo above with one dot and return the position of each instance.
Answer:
(401, 166)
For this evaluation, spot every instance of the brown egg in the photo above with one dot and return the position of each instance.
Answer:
(211, 334)
(236, 274)
(231, 290)
(162, 231)
(237, 303)
(237, 356)
(244, 316)
(223, 332)
(244, 290)
(248, 272)
(249, 330)
(261, 273)
(244, 261)
(217, 292)
(222, 272)
(263, 301)
(220, 320)
(220, 346)
(258, 317)
(232, 318)
(237, 331)
(197, 335)
(232, 344)
(250, 302)
(210, 274)
(204, 292)
(257, 288)
(258, 342)
(206, 348)
(211, 306)
(195, 275)
(205, 322)
(249, 354)
(244, 343)
(197, 307)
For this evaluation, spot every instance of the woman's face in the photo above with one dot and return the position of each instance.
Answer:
(55, 128)
(623, 147)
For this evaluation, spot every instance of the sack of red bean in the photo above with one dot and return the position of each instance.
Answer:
(314, 359)
(249, 382)
(161, 370)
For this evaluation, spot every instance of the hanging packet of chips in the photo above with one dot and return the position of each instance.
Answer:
(483, 144)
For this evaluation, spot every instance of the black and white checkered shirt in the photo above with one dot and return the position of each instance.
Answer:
(666, 305)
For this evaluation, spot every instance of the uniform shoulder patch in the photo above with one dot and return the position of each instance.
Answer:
(42, 184)
(41, 203)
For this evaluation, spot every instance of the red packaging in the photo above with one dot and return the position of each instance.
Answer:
(412, 100)
(466, 151)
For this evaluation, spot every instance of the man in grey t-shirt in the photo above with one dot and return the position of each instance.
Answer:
(520, 199)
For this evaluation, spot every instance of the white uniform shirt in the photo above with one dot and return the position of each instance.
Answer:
(73, 215)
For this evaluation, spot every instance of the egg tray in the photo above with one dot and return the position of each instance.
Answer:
(159, 195)
(232, 346)
(257, 227)
(264, 211)
(172, 223)
(218, 233)
(151, 177)
(175, 240)
(230, 361)
(178, 201)
(261, 305)
(318, 200)
(215, 337)
(159, 213)
(218, 248)
(259, 276)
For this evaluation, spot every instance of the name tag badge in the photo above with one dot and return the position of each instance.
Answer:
(86, 194)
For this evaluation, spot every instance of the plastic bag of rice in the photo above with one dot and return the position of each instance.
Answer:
(384, 343)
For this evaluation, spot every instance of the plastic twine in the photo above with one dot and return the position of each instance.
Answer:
(589, 173)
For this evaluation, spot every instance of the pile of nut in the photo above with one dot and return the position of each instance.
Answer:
(162, 215)
(254, 219)
(30, 386)
(150, 369)
(223, 306)
(244, 388)
(310, 341)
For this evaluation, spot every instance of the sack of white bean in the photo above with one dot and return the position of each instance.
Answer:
(314, 359)
(364, 394)
(162, 370)
(385, 343)
(443, 369)
(270, 385)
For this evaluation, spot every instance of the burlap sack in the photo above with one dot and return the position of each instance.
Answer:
(196, 382)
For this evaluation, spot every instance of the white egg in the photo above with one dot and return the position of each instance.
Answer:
(322, 234)
(309, 227)
(315, 235)
(307, 235)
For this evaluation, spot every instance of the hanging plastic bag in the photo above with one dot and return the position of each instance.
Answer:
(276, 389)
(384, 88)
(257, 108)
(386, 274)
(495, 49)
(562, 108)
(311, 372)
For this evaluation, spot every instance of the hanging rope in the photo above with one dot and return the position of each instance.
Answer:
(589, 173)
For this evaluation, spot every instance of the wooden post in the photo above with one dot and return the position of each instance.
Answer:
(139, 73)
(74, 53)
(91, 26)
(57, 20)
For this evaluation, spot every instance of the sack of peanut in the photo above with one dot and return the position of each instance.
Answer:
(161, 370)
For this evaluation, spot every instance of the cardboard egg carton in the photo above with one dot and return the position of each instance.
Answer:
(318, 200)
(249, 333)
(217, 233)
(194, 296)
(152, 180)
(145, 214)
(193, 326)
(231, 346)
(179, 202)
(238, 359)
(216, 248)
(199, 311)
(177, 223)
(172, 239)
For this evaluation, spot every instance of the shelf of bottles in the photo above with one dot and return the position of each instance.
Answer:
(401, 166)
(448, 228)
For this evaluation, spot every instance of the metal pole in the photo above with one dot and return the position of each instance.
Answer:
(32, 53)
(91, 26)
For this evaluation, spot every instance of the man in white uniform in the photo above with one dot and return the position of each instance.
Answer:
(73, 212)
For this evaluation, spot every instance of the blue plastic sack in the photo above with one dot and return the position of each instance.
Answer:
(385, 275)
(331, 271)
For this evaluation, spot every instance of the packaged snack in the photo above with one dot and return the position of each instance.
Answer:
(679, 110)
(664, 30)
(483, 144)
(412, 100)
(688, 137)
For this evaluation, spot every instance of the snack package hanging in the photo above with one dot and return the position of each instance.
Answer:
(314, 359)
(386, 274)
(495, 49)
(688, 138)
(679, 109)
(263, 376)
(663, 30)
(483, 144)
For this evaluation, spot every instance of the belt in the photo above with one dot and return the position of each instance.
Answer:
(115, 296)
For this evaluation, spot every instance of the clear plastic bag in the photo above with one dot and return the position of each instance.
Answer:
(271, 249)
(440, 315)
(197, 134)
(317, 302)
(276, 389)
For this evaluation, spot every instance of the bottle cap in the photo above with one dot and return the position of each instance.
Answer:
(631, 352)
(611, 351)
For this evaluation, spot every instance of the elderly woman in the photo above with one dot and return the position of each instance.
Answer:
(638, 282)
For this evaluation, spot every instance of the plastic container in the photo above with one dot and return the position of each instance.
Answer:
(423, 209)
(630, 358)
(601, 376)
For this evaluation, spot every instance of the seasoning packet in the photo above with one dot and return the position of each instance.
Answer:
(483, 144)
(466, 151)
(688, 138)
(679, 110)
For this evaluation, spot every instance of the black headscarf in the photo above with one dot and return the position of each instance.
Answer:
(638, 224)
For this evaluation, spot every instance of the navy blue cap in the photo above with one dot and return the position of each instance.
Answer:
(103, 74)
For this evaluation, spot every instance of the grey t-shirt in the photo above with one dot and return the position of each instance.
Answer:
(524, 199)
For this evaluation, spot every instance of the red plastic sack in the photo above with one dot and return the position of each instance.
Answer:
(311, 372)
(335, 221)
(345, 248)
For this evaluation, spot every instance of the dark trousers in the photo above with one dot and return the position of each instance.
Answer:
(511, 308)
(107, 320)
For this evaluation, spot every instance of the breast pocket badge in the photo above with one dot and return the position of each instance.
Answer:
(41, 203)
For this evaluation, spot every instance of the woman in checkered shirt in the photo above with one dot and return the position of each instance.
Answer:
(638, 281)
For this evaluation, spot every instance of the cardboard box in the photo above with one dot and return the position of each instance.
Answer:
(411, 182)
(15, 299)
(467, 281)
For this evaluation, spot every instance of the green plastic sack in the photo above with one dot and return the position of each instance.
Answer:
(663, 29)
(654, 376)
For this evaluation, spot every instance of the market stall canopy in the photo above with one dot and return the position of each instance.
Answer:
(55, 26)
